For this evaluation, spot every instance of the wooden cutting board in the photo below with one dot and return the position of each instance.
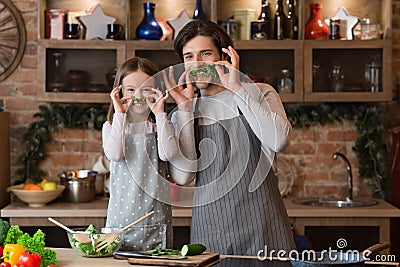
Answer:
(198, 260)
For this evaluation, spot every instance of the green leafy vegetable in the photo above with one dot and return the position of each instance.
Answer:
(13, 234)
(4, 226)
(88, 249)
(35, 244)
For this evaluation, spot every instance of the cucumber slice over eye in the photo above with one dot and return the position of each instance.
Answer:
(192, 249)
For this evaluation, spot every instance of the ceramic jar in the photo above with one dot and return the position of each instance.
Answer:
(316, 27)
(149, 29)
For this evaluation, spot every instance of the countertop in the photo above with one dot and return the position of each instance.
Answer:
(67, 257)
(98, 208)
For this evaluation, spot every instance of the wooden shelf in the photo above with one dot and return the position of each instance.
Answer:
(264, 58)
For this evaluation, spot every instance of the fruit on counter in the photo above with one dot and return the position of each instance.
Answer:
(11, 253)
(5, 264)
(31, 186)
(47, 186)
(192, 249)
(27, 259)
(43, 182)
(4, 226)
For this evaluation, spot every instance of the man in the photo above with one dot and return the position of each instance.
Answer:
(238, 127)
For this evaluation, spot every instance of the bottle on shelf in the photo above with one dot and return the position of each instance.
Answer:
(279, 21)
(263, 27)
(285, 82)
(291, 27)
(149, 29)
(316, 28)
(198, 11)
(336, 77)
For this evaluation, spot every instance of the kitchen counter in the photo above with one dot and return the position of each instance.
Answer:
(95, 212)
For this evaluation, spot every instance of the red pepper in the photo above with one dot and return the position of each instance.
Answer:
(5, 264)
(29, 260)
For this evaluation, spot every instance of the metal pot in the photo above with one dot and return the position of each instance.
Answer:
(80, 185)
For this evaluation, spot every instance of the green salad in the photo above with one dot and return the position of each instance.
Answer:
(88, 249)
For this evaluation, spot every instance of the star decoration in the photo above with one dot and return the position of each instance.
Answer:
(96, 22)
(179, 22)
(350, 22)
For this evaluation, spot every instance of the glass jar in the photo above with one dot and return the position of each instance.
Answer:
(337, 78)
(369, 30)
(372, 77)
(285, 82)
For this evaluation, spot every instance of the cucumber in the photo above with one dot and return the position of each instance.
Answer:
(192, 249)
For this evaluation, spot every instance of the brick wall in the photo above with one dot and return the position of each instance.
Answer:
(309, 152)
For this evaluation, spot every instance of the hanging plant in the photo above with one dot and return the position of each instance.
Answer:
(369, 146)
(38, 133)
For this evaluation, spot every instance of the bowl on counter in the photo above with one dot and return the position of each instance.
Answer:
(87, 249)
(36, 198)
(80, 185)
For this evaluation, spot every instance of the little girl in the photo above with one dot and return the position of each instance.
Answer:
(138, 140)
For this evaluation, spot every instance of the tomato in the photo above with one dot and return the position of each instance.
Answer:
(51, 265)
(5, 264)
(29, 259)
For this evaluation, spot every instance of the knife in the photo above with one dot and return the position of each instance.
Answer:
(136, 254)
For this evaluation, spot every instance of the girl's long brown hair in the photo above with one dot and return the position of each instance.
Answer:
(129, 66)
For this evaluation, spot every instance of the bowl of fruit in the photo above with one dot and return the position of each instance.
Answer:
(37, 195)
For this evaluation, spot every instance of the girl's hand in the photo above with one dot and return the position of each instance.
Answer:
(231, 79)
(120, 104)
(156, 101)
(181, 95)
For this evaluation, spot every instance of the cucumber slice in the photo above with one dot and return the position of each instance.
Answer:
(192, 249)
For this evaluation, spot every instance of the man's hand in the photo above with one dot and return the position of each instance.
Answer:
(231, 79)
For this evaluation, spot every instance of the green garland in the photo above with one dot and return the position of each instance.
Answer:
(38, 133)
(369, 146)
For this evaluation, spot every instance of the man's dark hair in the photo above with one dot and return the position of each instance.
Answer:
(202, 28)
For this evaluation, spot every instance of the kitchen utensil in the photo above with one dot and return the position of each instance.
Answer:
(204, 259)
(80, 185)
(36, 198)
(107, 239)
(82, 238)
(338, 258)
(126, 254)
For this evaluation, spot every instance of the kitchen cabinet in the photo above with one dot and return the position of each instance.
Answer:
(262, 59)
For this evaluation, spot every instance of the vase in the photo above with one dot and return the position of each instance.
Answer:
(149, 29)
(198, 11)
(316, 27)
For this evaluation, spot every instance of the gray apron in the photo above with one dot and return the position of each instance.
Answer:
(138, 186)
(229, 217)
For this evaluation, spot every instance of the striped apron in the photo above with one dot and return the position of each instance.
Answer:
(228, 218)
